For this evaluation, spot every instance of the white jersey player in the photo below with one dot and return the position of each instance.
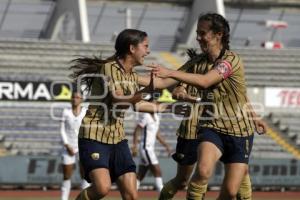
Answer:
(148, 127)
(70, 124)
(69, 131)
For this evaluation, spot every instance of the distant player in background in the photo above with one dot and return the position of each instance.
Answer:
(149, 125)
(71, 121)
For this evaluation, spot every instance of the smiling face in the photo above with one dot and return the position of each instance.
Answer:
(140, 51)
(207, 39)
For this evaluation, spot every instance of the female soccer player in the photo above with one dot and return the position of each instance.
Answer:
(71, 120)
(188, 141)
(103, 149)
(226, 126)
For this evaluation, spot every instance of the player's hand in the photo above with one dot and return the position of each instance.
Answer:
(134, 151)
(160, 71)
(170, 151)
(261, 126)
(70, 150)
(179, 93)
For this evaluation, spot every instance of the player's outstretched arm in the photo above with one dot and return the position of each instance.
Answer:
(159, 83)
(199, 80)
(152, 107)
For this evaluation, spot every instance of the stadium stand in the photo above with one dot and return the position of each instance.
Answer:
(246, 21)
(43, 60)
(27, 128)
(288, 124)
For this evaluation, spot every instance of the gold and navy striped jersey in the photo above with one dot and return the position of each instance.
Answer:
(188, 127)
(226, 104)
(103, 122)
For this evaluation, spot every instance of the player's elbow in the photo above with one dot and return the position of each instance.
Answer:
(204, 86)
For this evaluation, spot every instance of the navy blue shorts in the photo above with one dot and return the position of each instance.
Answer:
(186, 151)
(234, 149)
(115, 157)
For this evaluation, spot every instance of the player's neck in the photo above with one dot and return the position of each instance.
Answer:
(76, 109)
(214, 54)
(126, 64)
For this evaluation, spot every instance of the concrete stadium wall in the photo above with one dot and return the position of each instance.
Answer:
(46, 171)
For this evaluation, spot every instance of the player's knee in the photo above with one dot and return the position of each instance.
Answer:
(102, 191)
(204, 173)
(134, 196)
(131, 196)
(232, 195)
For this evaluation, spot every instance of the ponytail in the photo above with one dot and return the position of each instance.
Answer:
(85, 67)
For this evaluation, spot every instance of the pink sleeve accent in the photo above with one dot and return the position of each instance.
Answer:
(224, 68)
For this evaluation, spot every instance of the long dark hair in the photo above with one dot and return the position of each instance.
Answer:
(218, 24)
(91, 65)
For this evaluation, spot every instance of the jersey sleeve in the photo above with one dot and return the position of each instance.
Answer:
(229, 65)
(63, 128)
(224, 68)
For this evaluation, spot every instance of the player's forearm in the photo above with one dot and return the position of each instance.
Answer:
(63, 135)
(124, 102)
(144, 106)
(136, 135)
(159, 83)
(161, 140)
(197, 80)
(167, 147)
(187, 98)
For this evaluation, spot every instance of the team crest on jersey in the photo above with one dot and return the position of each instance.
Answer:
(95, 156)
